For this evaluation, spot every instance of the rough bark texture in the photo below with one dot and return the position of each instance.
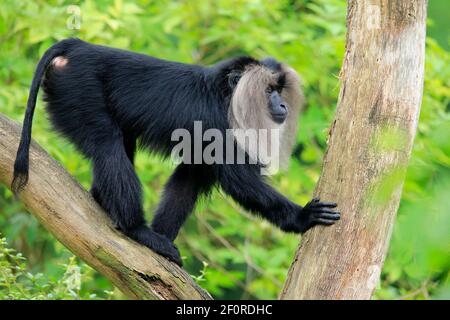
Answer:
(369, 148)
(75, 219)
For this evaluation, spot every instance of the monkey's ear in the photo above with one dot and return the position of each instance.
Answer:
(233, 78)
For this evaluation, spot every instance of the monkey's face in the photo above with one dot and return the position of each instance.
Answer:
(267, 96)
(278, 107)
(264, 82)
(263, 96)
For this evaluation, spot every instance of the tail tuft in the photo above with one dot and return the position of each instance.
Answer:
(20, 178)
(19, 182)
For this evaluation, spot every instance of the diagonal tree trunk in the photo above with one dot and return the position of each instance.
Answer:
(369, 148)
(75, 219)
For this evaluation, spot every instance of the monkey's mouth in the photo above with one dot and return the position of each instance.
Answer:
(279, 117)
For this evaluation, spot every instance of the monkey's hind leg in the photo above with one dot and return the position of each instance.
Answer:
(117, 189)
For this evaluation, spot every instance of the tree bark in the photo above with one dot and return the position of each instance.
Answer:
(75, 219)
(369, 147)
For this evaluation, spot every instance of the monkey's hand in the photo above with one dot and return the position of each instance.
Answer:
(316, 212)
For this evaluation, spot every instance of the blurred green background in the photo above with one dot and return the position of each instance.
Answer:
(229, 253)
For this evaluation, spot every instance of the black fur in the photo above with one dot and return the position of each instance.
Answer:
(105, 99)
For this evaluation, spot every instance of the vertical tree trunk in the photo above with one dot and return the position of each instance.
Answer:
(369, 148)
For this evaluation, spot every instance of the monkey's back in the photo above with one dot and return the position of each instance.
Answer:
(98, 87)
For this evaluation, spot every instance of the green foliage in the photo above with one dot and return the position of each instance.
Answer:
(17, 283)
(230, 253)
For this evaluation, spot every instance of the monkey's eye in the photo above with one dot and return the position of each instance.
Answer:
(271, 89)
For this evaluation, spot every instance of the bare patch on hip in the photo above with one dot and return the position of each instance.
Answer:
(60, 62)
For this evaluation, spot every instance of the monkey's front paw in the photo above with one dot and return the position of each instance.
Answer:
(316, 212)
(156, 242)
(171, 252)
(167, 249)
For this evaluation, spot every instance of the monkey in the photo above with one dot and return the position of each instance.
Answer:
(108, 102)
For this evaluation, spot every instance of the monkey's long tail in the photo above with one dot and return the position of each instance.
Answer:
(21, 164)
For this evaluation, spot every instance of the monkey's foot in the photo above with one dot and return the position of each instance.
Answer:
(156, 242)
(316, 212)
